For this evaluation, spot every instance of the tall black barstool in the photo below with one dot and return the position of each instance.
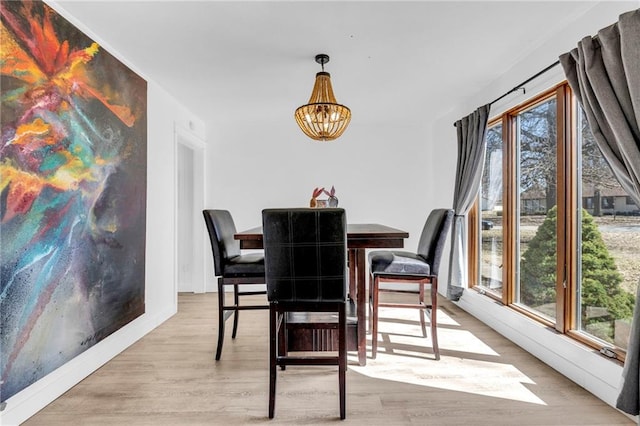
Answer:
(232, 269)
(401, 267)
(306, 271)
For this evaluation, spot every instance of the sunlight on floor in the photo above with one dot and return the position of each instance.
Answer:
(467, 364)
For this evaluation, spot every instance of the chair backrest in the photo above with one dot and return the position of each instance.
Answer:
(434, 237)
(305, 254)
(221, 231)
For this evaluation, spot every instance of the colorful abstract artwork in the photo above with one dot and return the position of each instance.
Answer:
(72, 193)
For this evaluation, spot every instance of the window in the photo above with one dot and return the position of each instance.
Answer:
(607, 203)
(491, 214)
(607, 272)
(536, 150)
(587, 203)
(556, 234)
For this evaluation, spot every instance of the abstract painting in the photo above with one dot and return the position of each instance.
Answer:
(72, 193)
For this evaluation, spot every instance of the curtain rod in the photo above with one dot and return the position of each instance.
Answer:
(521, 85)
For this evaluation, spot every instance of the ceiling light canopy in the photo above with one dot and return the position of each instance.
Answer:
(323, 119)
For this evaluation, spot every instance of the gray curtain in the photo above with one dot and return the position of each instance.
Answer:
(604, 73)
(471, 151)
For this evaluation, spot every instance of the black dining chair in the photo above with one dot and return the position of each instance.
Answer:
(394, 267)
(305, 269)
(232, 269)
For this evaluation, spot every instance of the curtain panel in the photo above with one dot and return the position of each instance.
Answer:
(471, 152)
(604, 73)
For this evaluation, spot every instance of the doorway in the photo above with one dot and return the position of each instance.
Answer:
(190, 232)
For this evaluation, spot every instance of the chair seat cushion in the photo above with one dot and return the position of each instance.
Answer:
(245, 265)
(397, 263)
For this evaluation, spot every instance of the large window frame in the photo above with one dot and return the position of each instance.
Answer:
(567, 175)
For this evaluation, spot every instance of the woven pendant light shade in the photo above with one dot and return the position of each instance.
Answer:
(323, 119)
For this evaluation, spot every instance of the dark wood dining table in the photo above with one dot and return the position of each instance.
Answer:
(360, 236)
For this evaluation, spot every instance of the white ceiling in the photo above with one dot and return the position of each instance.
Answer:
(254, 61)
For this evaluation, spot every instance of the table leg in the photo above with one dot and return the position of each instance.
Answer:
(352, 274)
(361, 285)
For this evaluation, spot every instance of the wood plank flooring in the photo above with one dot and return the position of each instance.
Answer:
(170, 377)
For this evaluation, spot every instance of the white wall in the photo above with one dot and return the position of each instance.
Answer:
(379, 172)
(164, 114)
(586, 367)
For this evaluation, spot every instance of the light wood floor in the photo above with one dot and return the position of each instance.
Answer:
(170, 378)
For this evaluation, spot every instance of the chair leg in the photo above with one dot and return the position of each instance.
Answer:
(236, 303)
(273, 348)
(421, 311)
(342, 363)
(374, 317)
(370, 303)
(220, 319)
(283, 342)
(434, 322)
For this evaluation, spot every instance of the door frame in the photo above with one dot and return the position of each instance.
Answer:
(193, 142)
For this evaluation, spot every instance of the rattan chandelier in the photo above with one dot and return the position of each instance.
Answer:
(323, 119)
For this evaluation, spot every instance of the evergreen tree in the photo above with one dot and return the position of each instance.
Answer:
(538, 265)
(601, 280)
(600, 277)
